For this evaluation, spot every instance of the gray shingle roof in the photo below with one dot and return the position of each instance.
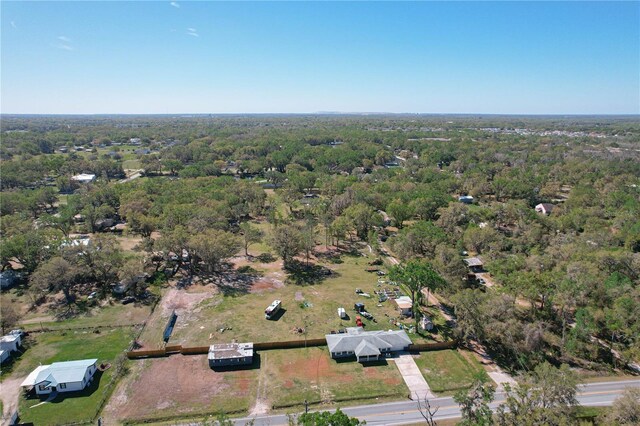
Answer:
(350, 341)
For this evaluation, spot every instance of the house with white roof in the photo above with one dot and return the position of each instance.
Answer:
(11, 341)
(68, 376)
(230, 354)
(404, 305)
(366, 345)
(84, 178)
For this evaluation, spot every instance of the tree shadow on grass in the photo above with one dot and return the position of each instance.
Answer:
(233, 282)
(302, 274)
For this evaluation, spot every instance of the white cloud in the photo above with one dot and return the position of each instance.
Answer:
(63, 46)
(64, 38)
(13, 24)
(175, 4)
(192, 32)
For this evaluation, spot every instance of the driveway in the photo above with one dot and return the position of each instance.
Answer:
(418, 386)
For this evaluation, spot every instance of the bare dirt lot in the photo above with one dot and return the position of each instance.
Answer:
(180, 386)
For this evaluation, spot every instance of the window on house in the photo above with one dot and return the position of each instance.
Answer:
(42, 387)
(63, 386)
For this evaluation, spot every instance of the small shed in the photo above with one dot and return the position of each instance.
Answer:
(11, 341)
(544, 208)
(404, 305)
(230, 354)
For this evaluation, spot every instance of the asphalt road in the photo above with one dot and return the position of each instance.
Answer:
(406, 412)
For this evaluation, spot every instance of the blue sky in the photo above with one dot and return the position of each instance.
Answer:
(225, 57)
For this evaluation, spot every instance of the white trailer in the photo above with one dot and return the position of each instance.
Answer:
(272, 309)
(342, 313)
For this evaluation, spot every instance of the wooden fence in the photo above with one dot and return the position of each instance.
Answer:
(421, 347)
(202, 350)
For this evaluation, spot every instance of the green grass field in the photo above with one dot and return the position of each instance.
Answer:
(46, 348)
(298, 374)
(242, 315)
(448, 370)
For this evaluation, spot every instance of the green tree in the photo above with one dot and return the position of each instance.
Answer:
(474, 403)
(546, 396)
(250, 235)
(414, 276)
(326, 418)
(400, 211)
(287, 240)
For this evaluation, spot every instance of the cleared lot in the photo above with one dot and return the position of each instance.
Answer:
(165, 388)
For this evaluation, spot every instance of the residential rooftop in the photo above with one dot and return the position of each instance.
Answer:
(230, 350)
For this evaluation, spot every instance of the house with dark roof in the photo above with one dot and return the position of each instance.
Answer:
(366, 345)
(474, 264)
(68, 376)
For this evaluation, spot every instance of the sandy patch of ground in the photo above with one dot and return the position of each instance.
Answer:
(175, 385)
(10, 393)
(265, 284)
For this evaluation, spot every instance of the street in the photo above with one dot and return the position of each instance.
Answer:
(406, 412)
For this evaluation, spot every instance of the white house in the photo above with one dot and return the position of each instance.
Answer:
(69, 376)
(230, 354)
(11, 341)
(366, 345)
(4, 355)
(545, 208)
(84, 178)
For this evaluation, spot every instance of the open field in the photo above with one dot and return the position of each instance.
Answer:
(50, 347)
(448, 370)
(238, 307)
(185, 387)
(180, 386)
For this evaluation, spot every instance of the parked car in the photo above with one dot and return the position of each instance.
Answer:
(128, 299)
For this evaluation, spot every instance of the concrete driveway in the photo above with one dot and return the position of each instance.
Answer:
(418, 386)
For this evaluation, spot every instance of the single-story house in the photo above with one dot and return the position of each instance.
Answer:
(474, 264)
(404, 305)
(466, 199)
(545, 208)
(230, 354)
(366, 345)
(4, 355)
(11, 341)
(84, 178)
(66, 376)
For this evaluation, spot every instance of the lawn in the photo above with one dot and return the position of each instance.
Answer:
(50, 347)
(111, 315)
(448, 370)
(241, 314)
(297, 374)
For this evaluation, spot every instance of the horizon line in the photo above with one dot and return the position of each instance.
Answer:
(324, 113)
